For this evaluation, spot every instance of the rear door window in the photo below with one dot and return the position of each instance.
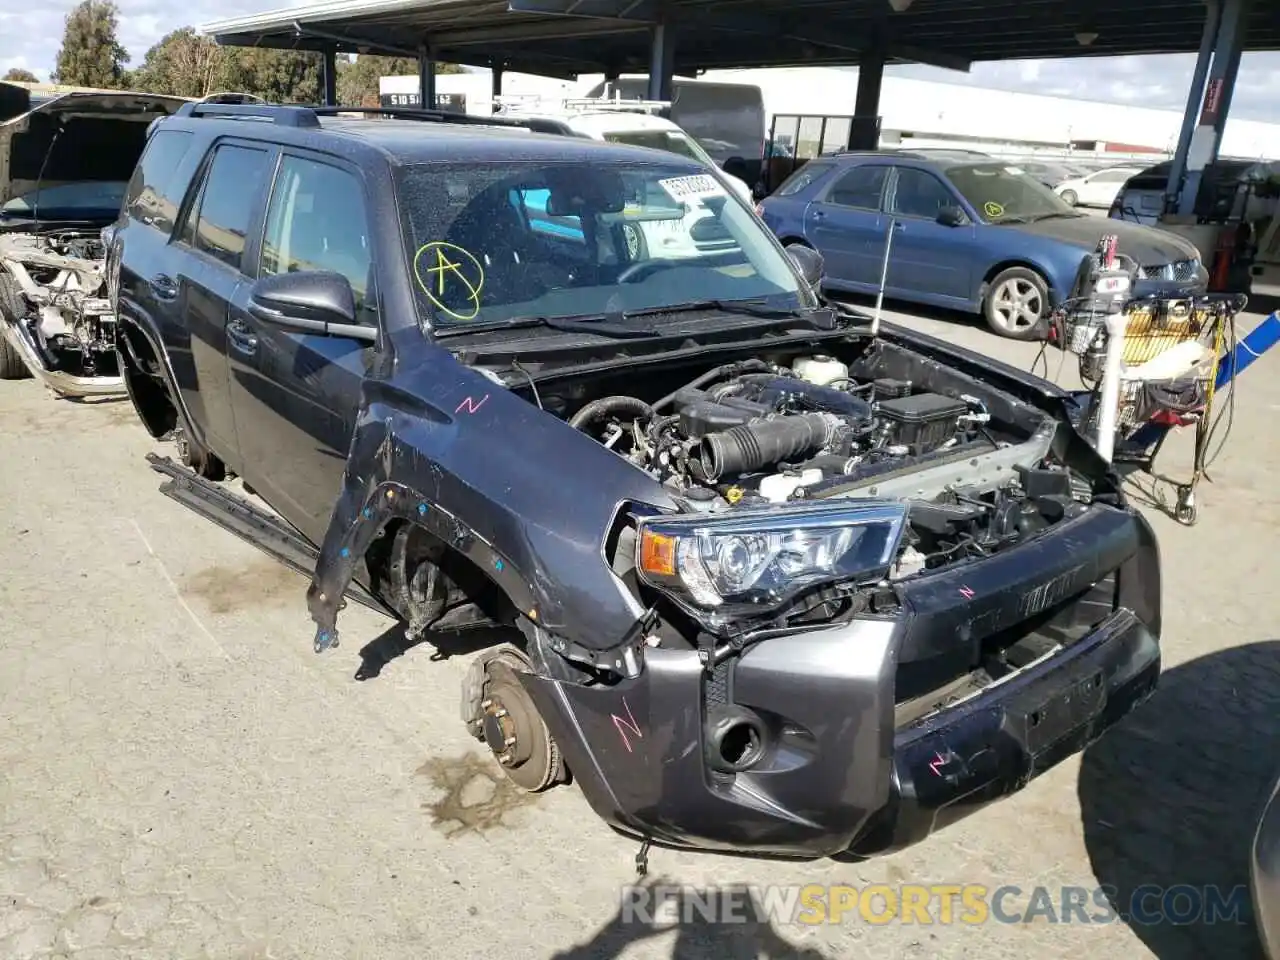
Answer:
(218, 222)
(154, 193)
(861, 188)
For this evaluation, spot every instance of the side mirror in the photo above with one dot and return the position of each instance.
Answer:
(809, 262)
(311, 301)
(952, 216)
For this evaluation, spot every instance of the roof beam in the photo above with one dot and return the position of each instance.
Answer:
(353, 41)
(647, 12)
(556, 30)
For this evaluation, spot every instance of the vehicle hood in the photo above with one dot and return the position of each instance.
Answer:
(1148, 245)
(103, 135)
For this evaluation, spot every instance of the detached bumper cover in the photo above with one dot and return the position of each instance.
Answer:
(838, 775)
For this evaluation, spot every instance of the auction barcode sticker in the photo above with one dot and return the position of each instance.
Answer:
(697, 187)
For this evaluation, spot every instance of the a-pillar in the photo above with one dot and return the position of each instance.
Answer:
(426, 79)
(1206, 138)
(864, 131)
(329, 76)
(662, 61)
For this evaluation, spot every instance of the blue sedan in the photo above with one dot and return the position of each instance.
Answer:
(980, 236)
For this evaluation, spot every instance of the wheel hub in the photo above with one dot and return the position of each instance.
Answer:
(500, 731)
(507, 720)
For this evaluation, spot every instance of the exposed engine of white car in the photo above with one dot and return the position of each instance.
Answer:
(54, 289)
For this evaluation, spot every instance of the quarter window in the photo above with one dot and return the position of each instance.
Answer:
(860, 188)
(153, 196)
(317, 221)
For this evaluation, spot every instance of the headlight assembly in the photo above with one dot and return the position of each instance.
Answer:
(754, 560)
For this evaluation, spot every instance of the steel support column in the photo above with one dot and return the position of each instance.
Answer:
(864, 131)
(1213, 16)
(426, 79)
(662, 61)
(1206, 137)
(497, 71)
(329, 76)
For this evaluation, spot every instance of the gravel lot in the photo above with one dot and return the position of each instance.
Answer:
(181, 777)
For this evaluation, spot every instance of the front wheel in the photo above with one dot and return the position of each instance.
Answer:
(1071, 197)
(1016, 303)
(12, 366)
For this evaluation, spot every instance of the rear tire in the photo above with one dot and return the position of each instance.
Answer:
(1016, 303)
(203, 462)
(12, 366)
(1071, 197)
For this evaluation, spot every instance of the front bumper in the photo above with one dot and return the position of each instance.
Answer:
(838, 773)
(65, 384)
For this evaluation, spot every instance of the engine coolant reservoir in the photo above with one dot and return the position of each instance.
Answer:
(820, 370)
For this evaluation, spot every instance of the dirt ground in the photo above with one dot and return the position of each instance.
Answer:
(180, 776)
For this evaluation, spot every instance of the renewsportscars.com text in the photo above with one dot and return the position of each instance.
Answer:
(934, 904)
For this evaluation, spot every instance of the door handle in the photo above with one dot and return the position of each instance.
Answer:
(164, 287)
(241, 337)
(818, 214)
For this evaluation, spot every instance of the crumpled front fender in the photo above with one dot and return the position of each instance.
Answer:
(522, 495)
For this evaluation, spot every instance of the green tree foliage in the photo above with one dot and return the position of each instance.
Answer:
(182, 64)
(358, 76)
(18, 75)
(278, 76)
(91, 54)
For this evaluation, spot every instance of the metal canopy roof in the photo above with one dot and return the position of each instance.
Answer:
(569, 37)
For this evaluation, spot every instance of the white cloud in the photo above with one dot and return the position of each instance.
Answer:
(31, 38)
(1159, 81)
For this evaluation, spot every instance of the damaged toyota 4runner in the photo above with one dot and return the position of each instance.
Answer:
(64, 164)
(773, 584)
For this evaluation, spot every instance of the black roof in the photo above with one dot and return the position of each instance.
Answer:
(406, 136)
(569, 37)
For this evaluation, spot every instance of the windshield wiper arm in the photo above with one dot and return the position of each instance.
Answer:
(822, 318)
(586, 323)
(751, 307)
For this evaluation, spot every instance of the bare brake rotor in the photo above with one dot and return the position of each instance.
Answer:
(509, 723)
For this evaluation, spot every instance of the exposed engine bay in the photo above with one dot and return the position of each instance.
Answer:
(812, 430)
(53, 289)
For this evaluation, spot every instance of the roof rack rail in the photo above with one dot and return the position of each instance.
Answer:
(285, 115)
(534, 124)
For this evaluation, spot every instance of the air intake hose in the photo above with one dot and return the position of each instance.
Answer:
(755, 446)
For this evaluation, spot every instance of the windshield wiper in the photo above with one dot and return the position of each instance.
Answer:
(586, 323)
(757, 307)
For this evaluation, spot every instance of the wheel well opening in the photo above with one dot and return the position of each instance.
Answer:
(141, 371)
(426, 580)
(1001, 267)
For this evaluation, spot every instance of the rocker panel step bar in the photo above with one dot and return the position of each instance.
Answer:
(250, 523)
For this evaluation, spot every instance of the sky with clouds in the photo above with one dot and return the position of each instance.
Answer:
(30, 38)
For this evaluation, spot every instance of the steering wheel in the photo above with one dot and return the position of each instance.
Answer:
(638, 271)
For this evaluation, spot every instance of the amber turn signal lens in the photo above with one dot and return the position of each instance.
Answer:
(658, 554)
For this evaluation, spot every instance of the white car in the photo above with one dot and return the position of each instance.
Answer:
(629, 122)
(1097, 189)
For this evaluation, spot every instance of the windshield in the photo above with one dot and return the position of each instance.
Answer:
(672, 141)
(495, 242)
(69, 200)
(1004, 193)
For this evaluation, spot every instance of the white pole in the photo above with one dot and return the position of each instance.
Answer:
(884, 275)
(1110, 400)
